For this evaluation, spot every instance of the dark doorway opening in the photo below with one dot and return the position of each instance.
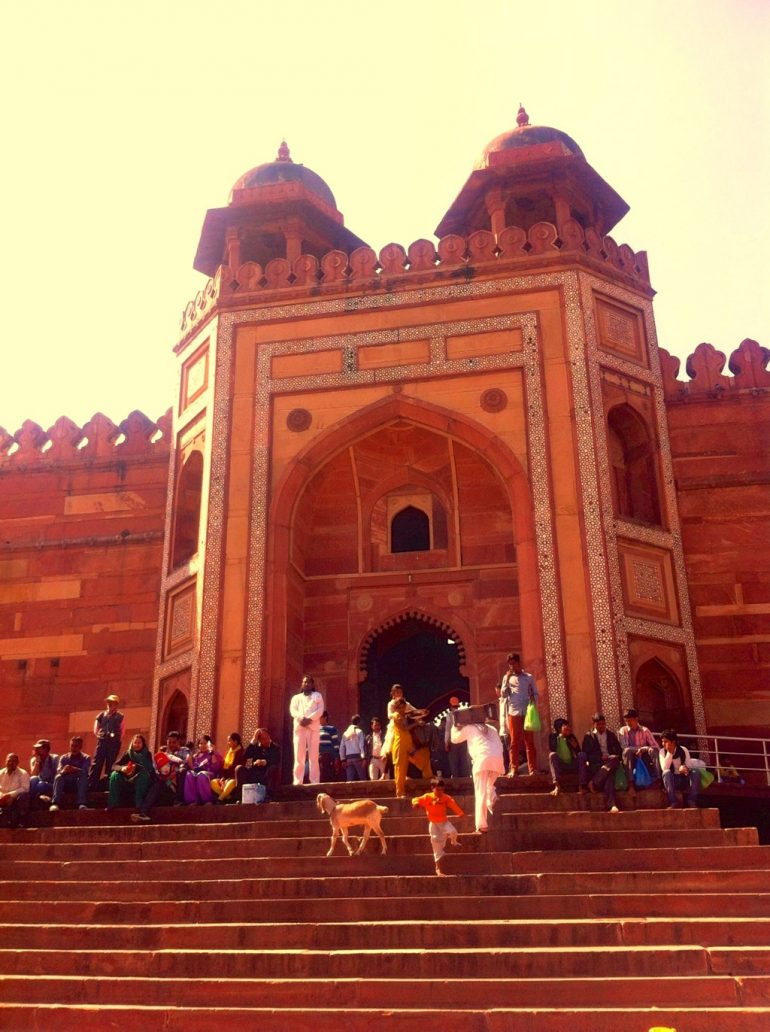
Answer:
(419, 656)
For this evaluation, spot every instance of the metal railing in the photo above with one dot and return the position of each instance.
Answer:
(722, 752)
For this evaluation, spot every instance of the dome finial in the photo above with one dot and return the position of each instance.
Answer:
(283, 152)
(522, 118)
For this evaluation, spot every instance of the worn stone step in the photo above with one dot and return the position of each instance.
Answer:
(499, 962)
(348, 993)
(38, 1017)
(484, 933)
(344, 873)
(235, 821)
(256, 844)
(469, 860)
(367, 908)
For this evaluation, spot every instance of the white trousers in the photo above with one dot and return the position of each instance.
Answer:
(440, 831)
(376, 768)
(306, 741)
(484, 790)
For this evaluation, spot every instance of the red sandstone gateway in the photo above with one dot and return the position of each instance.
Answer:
(397, 466)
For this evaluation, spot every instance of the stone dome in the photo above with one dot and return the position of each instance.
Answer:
(284, 170)
(526, 135)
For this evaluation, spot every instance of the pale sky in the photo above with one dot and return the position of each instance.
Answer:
(123, 122)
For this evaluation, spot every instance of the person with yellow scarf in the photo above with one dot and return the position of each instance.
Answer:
(225, 784)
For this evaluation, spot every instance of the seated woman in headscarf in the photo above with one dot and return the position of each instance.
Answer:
(204, 765)
(134, 773)
(224, 785)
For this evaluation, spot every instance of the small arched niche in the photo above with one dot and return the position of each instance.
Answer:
(658, 697)
(187, 510)
(635, 494)
(176, 715)
(410, 530)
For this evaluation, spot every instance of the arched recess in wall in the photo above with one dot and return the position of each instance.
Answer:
(659, 698)
(633, 466)
(410, 530)
(282, 655)
(175, 715)
(187, 510)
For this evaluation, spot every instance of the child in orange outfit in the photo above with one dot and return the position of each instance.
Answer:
(436, 803)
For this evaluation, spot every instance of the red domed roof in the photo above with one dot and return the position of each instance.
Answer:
(526, 135)
(284, 170)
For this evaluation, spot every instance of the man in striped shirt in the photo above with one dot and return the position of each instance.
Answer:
(637, 742)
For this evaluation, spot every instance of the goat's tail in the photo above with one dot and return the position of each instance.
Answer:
(384, 809)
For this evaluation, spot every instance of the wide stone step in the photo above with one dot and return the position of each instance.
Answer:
(236, 821)
(18, 1018)
(348, 993)
(467, 861)
(398, 934)
(410, 908)
(502, 962)
(335, 880)
(256, 844)
(498, 962)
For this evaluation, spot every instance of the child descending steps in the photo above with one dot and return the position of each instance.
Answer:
(436, 803)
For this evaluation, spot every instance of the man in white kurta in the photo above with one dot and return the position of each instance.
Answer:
(306, 708)
(486, 752)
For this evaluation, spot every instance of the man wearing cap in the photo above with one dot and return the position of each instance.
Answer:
(601, 754)
(42, 768)
(518, 689)
(14, 791)
(457, 751)
(636, 740)
(108, 728)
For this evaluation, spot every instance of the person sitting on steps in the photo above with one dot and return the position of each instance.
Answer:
(72, 775)
(564, 755)
(637, 742)
(679, 774)
(225, 784)
(600, 758)
(134, 774)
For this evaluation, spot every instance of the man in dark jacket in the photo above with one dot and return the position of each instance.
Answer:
(602, 755)
(261, 762)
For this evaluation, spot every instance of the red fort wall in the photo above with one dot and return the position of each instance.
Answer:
(719, 427)
(82, 515)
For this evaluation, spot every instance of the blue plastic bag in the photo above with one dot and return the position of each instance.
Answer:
(642, 776)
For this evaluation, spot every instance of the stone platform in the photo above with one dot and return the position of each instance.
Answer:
(562, 917)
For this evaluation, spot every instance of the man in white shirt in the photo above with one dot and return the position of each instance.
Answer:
(306, 708)
(14, 791)
(486, 752)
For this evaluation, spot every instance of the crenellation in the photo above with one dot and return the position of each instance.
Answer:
(748, 365)
(66, 443)
(340, 269)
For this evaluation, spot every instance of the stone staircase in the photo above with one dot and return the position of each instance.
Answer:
(562, 917)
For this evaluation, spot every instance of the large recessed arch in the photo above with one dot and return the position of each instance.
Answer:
(282, 655)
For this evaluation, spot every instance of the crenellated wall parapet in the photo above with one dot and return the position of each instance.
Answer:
(706, 379)
(67, 444)
(454, 254)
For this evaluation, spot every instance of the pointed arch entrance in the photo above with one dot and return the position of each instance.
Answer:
(423, 654)
(333, 579)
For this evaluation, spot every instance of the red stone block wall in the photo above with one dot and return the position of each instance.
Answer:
(82, 514)
(720, 438)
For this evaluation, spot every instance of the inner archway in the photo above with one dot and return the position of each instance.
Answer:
(423, 656)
